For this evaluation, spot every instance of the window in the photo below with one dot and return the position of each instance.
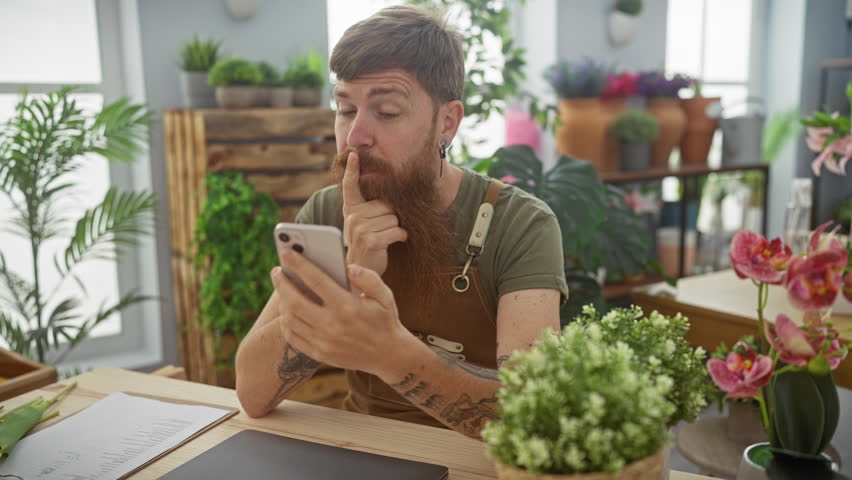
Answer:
(70, 51)
(711, 41)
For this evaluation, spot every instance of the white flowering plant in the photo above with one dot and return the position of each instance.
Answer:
(659, 344)
(579, 402)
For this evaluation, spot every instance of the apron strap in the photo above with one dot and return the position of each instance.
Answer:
(461, 282)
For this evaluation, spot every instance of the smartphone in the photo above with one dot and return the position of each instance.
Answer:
(320, 244)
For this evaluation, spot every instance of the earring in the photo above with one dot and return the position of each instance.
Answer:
(442, 152)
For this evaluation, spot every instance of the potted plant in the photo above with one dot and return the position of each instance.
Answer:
(196, 58)
(279, 90)
(41, 146)
(788, 371)
(662, 93)
(269, 78)
(635, 130)
(307, 76)
(624, 21)
(599, 230)
(583, 114)
(233, 252)
(596, 399)
(236, 81)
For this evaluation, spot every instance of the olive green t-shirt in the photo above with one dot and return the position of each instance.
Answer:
(523, 248)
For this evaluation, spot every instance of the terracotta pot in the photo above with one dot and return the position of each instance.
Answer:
(672, 122)
(239, 97)
(648, 468)
(584, 132)
(281, 97)
(307, 97)
(696, 141)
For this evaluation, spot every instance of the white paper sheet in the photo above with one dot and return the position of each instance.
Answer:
(108, 439)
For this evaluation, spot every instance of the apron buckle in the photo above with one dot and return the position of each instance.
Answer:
(461, 282)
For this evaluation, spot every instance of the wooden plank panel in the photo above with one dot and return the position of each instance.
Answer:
(295, 186)
(267, 156)
(289, 212)
(251, 124)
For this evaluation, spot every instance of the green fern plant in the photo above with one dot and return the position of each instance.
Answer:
(47, 139)
(199, 55)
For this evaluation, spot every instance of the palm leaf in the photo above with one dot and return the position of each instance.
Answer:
(14, 335)
(22, 293)
(120, 130)
(82, 330)
(115, 221)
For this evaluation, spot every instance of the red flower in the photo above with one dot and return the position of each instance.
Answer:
(752, 256)
(740, 375)
(621, 85)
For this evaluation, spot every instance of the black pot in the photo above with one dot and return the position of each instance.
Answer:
(635, 157)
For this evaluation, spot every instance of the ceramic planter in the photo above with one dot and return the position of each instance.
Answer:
(648, 468)
(307, 97)
(584, 133)
(622, 27)
(239, 96)
(750, 467)
(281, 97)
(700, 127)
(672, 122)
(195, 92)
(635, 157)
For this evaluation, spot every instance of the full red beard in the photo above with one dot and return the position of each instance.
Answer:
(412, 194)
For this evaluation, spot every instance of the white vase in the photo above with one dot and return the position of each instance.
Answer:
(622, 27)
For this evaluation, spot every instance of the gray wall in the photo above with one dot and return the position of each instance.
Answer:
(583, 31)
(280, 30)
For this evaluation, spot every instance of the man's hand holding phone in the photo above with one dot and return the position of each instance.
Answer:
(369, 227)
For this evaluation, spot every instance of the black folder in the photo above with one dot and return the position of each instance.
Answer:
(251, 454)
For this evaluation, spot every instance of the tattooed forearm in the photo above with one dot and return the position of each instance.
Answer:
(480, 372)
(501, 360)
(434, 401)
(469, 415)
(295, 367)
(416, 390)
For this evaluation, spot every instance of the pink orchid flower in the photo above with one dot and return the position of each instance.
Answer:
(842, 146)
(510, 179)
(740, 375)
(814, 281)
(799, 347)
(817, 241)
(752, 256)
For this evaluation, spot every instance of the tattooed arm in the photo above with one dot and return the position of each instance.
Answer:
(267, 367)
(459, 394)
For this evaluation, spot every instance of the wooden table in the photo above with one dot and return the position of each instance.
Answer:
(721, 307)
(465, 457)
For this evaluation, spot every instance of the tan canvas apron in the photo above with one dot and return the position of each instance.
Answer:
(461, 323)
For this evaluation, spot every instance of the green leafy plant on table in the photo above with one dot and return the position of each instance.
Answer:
(598, 228)
(580, 402)
(233, 252)
(270, 76)
(306, 71)
(45, 143)
(233, 71)
(660, 345)
(199, 55)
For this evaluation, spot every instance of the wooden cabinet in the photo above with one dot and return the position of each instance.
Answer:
(285, 152)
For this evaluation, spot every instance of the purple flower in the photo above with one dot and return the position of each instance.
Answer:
(581, 79)
(655, 84)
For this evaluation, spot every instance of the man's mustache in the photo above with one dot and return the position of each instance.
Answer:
(369, 163)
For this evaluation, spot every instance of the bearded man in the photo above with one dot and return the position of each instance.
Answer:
(451, 271)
